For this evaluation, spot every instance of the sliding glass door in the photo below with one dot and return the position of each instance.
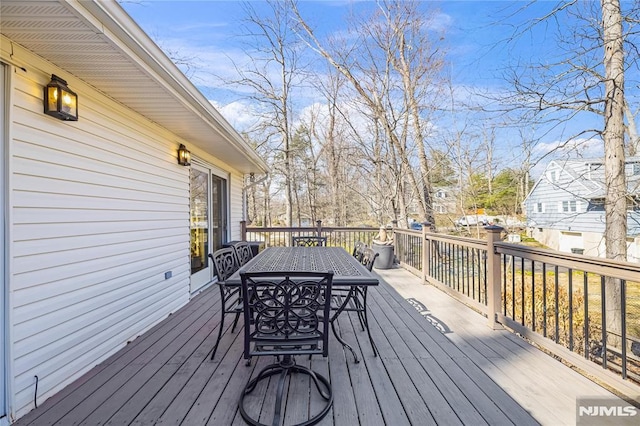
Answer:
(219, 226)
(209, 221)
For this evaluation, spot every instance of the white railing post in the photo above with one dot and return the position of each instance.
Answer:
(494, 279)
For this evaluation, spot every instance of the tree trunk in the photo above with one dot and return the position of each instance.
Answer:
(613, 135)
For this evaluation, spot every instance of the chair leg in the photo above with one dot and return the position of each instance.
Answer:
(235, 322)
(220, 328)
(285, 368)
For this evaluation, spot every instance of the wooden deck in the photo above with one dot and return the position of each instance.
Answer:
(458, 372)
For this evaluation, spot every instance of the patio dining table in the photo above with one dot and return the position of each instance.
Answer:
(348, 272)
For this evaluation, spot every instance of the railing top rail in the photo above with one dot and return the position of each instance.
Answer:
(309, 229)
(598, 265)
(407, 231)
(282, 229)
(470, 242)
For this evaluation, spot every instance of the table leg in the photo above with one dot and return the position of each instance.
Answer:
(334, 318)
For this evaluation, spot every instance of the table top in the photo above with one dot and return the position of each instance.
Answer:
(347, 270)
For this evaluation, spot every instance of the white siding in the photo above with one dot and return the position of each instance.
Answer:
(235, 205)
(99, 212)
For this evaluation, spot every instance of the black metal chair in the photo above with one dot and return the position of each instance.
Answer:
(243, 252)
(309, 241)
(283, 317)
(358, 249)
(225, 263)
(354, 299)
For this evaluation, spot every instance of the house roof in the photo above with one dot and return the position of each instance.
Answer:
(591, 178)
(97, 42)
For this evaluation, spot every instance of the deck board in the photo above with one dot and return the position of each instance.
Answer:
(467, 374)
(538, 385)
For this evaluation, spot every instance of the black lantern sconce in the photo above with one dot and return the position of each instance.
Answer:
(59, 101)
(184, 156)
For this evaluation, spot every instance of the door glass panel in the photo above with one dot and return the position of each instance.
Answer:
(199, 219)
(218, 212)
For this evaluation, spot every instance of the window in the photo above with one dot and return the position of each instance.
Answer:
(596, 205)
(635, 169)
(569, 206)
(553, 176)
(539, 208)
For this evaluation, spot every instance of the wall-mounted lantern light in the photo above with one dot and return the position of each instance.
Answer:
(59, 101)
(184, 156)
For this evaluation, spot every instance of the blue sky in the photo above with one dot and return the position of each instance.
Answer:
(473, 28)
(476, 34)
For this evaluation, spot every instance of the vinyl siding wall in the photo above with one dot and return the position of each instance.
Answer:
(235, 204)
(551, 195)
(581, 229)
(99, 211)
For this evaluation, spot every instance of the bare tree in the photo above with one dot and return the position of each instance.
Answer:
(393, 66)
(273, 70)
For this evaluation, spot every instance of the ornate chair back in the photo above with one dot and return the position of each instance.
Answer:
(309, 241)
(243, 252)
(284, 312)
(357, 250)
(368, 258)
(225, 262)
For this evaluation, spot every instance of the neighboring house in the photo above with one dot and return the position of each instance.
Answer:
(444, 200)
(104, 234)
(565, 208)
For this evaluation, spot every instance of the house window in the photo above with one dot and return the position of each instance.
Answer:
(635, 169)
(441, 194)
(569, 206)
(553, 176)
(596, 205)
(539, 208)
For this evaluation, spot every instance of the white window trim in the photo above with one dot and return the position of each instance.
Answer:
(570, 204)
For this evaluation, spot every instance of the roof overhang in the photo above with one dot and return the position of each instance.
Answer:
(97, 42)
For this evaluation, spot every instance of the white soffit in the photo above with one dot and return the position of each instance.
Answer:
(97, 42)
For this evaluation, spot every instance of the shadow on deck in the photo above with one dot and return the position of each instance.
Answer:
(467, 374)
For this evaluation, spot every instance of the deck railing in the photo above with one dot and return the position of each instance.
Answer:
(345, 237)
(587, 305)
(557, 300)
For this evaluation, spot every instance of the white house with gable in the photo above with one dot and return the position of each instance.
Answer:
(104, 234)
(565, 208)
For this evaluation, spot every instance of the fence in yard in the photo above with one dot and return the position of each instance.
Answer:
(584, 309)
